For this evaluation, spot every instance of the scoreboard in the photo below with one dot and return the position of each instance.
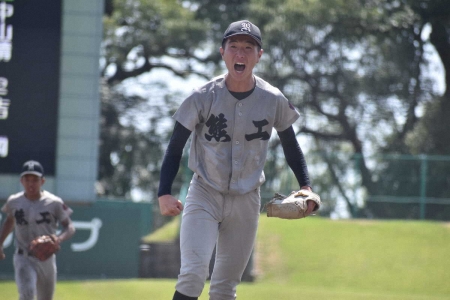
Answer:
(30, 38)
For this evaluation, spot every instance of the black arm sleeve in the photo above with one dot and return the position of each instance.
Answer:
(294, 156)
(172, 158)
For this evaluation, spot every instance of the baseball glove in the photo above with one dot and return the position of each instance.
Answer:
(293, 206)
(43, 247)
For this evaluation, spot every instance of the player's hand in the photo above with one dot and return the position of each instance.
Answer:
(56, 240)
(311, 206)
(169, 205)
(2, 254)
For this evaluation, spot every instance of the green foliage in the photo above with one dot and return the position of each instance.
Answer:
(356, 71)
(140, 33)
(129, 157)
(141, 37)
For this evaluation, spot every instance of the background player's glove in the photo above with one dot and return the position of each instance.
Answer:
(44, 246)
(293, 206)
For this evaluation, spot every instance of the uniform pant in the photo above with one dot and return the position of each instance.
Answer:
(35, 277)
(213, 219)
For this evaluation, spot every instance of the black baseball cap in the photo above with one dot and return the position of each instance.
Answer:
(32, 167)
(243, 27)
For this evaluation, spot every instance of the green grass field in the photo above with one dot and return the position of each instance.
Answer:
(315, 259)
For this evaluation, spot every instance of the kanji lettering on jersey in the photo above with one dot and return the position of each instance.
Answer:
(263, 135)
(216, 129)
(45, 218)
(20, 217)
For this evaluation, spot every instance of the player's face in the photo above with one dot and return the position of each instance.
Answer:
(241, 54)
(32, 185)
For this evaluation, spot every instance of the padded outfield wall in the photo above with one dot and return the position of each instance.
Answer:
(105, 245)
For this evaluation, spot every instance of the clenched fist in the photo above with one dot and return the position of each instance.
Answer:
(169, 205)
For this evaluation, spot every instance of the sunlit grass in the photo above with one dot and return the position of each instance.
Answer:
(164, 234)
(313, 259)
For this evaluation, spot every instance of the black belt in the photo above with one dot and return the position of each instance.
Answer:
(22, 252)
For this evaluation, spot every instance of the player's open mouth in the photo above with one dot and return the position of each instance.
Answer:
(239, 67)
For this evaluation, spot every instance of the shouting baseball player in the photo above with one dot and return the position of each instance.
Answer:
(231, 117)
(35, 215)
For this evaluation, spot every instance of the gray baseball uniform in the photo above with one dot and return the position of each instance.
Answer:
(230, 136)
(228, 153)
(33, 219)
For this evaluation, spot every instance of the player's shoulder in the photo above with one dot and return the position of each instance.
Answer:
(209, 86)
(16, 196)
(13, 201)
(204, 94)
(51, 197)
(267, 87)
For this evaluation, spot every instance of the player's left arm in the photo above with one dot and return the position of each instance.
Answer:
(296, 161)
(68, 230)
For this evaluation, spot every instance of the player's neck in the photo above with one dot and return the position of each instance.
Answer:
(240, 85)
(34, 196)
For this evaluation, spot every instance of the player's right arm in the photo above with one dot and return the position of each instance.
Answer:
(169, 205)
(7, 228)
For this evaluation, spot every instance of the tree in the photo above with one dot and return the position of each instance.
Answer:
(430, 134)
(140, 37)
(129, 157)
(356, 70)
(143, 35)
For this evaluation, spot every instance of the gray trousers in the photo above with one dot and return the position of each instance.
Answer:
(35, 277)
(213, 219)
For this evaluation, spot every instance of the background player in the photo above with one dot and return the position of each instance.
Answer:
(231, 117)
(32, 213)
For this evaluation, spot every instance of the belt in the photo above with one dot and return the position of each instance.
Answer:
(23, 252)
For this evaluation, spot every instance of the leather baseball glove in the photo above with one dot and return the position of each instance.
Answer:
(44, 246)
(293, 206)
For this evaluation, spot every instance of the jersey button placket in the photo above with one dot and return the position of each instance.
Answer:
(240, 111)
(235, 165)
(237, 149)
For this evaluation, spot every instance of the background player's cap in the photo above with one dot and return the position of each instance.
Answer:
(32, 167)
(243, 27)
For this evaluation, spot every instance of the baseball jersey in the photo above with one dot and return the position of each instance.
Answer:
(230, 137)
(35, 218)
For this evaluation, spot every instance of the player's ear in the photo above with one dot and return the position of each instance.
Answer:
(221, 51)
(260, 53)
(42, 180)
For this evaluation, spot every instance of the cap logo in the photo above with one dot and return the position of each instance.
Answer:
(246, 26)
(30, 165)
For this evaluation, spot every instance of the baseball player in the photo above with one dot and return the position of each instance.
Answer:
(231, 119)
(33, 213)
